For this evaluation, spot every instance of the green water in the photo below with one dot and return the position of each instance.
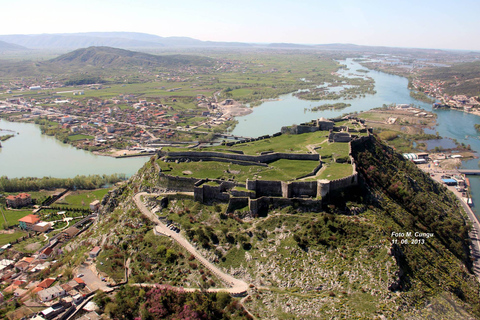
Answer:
(31, 154)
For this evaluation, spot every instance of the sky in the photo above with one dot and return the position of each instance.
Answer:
(436, 24)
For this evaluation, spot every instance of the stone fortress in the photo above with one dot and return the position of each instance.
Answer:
(260, 195)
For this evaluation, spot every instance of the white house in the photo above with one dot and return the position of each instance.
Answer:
(51, 293)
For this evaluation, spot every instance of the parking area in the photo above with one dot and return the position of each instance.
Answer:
(91, 280)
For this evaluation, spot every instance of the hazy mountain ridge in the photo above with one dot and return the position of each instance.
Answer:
(132, 40)
(6, 46)
(109, 39)
(74, 41)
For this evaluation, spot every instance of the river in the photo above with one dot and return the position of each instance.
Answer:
(270, 116)
(32, 154)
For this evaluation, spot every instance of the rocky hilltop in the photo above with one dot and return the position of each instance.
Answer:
(394, 246)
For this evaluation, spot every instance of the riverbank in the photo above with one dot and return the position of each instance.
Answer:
(406, 130)
(436, 175)
(471, 111)
(233, 109)
(6, 137)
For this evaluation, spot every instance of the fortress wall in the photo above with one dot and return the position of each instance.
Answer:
(237, 203)
(306, 129)
(304, 188)
(314, 172)
(206, 193)
(349, 181)
(323, 188)
(177, 183)
(238, 193)
(299, 129)
(263, 194)
(268, 188)
(265, 203)
(241, 157)
(198, 194)
(240, 162)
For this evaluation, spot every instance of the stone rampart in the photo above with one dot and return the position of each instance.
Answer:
(239, 162)
(266, 158)
(236, 203)
(296, 189)
(302, 189)
(342, 183)
(313, 173)
(206, 193)
(177, 183)
(263, 194)
(263, 204)
(242, 193)
(265, 188)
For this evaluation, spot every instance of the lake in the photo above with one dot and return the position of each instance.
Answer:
(32, 154)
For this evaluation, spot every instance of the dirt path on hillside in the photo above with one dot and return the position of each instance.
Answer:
(238, 287)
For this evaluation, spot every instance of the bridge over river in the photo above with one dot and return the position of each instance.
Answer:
(469, 171)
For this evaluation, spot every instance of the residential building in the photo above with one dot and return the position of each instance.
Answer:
(45, 254)
(95, 205)
(55, 310)
(6, 264)
(28, 222)
(66, 119)
(20, 200)
(42, 226)
(109, 129)
(95, 251)
(70, 233)
(51, 293)
(46, 283)
(19, 293)
(23, 264)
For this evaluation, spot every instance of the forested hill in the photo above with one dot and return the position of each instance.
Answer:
(408, 200)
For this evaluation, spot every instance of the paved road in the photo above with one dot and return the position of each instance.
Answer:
(238, 287)
(474, 233)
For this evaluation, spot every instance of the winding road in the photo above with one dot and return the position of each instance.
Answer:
(237, 287)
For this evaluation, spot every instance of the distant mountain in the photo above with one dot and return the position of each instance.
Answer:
(375, 49)
(114, 58)
(100, 61)
(5, 47)
(290, 45)
(125, 40)
(74, 41)
(137, 40)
